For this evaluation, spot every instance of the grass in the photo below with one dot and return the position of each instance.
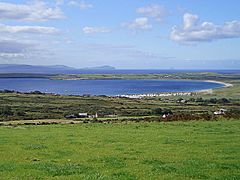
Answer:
(230, 92)
(194, 76)
(176, 150)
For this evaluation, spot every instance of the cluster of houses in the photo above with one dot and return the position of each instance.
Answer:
(139, 96)
(86, 115)
(81, 115)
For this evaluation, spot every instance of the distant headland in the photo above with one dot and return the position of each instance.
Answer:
(53, 69)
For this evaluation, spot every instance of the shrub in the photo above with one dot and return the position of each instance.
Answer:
(6, 111)
(157, 111)
(223, 101)
(19, 113)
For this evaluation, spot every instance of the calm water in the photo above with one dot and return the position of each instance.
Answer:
(103, 87)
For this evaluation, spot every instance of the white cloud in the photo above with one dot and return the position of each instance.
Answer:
(154, 11)
(59, 2)
(91, 30)
(28, 29)
(81, 4)
(36, 11)
(13, 47)
(189, 20)
(20, 49)
(12, 55)
(194, 31)
(139, 23)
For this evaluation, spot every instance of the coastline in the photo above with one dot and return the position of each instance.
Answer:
(166, 94)
(210, 91)
(220, 82)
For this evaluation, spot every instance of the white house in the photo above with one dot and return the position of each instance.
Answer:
(220, 112)
(82, 115)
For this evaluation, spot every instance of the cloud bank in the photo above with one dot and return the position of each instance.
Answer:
(155, 11)
(11, 49)
(28, 29)
(92, 30)
(80, 4)
(193, 30)
(139, 23)
(36, 11)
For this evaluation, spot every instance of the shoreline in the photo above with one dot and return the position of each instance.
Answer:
(210, 91)
(220, 82)
(166, 94)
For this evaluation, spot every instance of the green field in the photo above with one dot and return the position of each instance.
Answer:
(193, 76)
(175, 150)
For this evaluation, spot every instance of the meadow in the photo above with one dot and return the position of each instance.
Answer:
(192, 76)
(173, 150)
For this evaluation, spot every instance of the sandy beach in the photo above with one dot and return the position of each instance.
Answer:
(219, 82)
(210, 91)
(207, 91)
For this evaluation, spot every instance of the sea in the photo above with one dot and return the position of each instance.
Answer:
(104, 87)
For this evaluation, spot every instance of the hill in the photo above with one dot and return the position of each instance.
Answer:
(55, 69)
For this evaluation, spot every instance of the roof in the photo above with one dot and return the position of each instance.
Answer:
(82, 114)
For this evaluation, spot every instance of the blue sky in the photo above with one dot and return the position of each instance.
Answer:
(136, 34)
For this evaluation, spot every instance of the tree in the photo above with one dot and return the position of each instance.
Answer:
(223, 100)
(213, 100)
(167, 111)
(199, 99)
(36, 92)
(192, 100)
(157, 111)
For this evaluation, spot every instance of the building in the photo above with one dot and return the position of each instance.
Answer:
(93, 116)
(82, 115)
(165, 115)
(220, 112)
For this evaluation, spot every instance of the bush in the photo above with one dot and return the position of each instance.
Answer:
(6, 111)
(213, 100)
(223, 101)
(157, 111)
(36, 92)
(200, 99)
(167, 111)
(19, 113)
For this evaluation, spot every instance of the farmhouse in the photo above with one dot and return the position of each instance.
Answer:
(82, 115)
(166, 115)
(220, 112)
(93, 116)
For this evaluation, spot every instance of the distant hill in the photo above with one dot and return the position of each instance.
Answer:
(55, 69)
(23, 68)
(101, 68)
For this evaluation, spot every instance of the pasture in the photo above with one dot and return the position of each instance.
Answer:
(172, 150)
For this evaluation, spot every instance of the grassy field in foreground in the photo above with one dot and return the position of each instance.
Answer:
(176, 150)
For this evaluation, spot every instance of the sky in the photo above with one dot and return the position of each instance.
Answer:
(126, 34)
